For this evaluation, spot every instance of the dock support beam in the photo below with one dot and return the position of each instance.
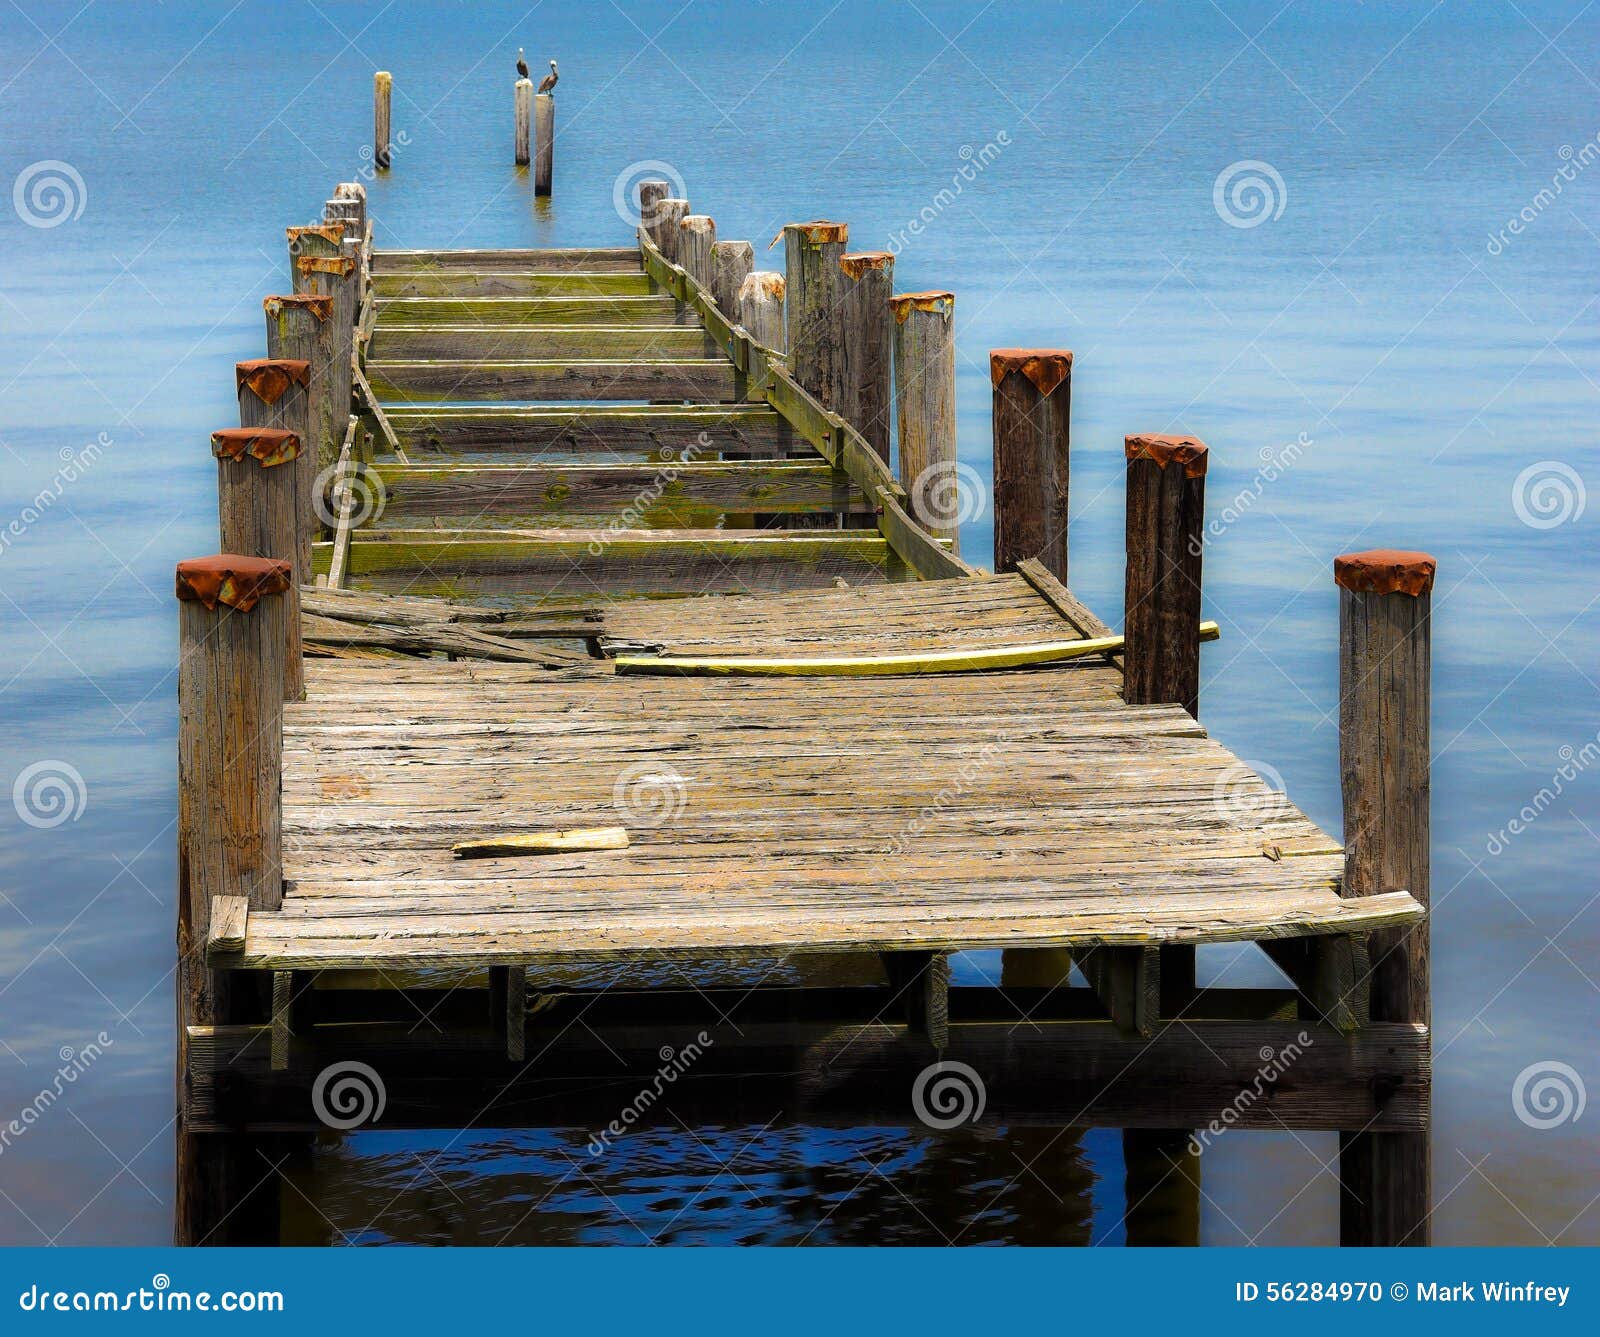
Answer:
(697, 234)
(1032, 456)
(868, 345)
(232, 637)
(925, 406)
(814, 308)
(522, 117)
(1385, 598)
(382, 87)
(731, 263)
(544, 143)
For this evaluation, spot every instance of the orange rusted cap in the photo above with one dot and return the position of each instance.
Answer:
(320, 307)
(820, 230)
(902, 303)
(1385, 571)
(1189, 451)
(330, 232)
(1045, 367)
(270, 377)
(265, 445)
(341, 265)
(857, 263)
(238, 582)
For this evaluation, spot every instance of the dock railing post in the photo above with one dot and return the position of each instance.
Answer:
(259, 515)
(1385, 605)
(232, 639)
(697, 234)
(1032, 456)
(731, 262)
(300, 328)
(814, 308)
(522, 98)
(667, 235)
(868, 345)
(544, 142)
(925, 406)
(651, 195)
(324, 267)
(761, 308)
(382, 87)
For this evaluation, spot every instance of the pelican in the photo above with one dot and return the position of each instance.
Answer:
(548, 83)
(522, 65)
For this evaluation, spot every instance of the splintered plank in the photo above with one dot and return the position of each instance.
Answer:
(578, 310)
(467, 283)
(660, 430)
(512, 343)
(593, 260)
(607, 563)
(712, 380)
(648, 496)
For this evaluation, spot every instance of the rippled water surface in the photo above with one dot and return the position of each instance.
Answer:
(1433, 372)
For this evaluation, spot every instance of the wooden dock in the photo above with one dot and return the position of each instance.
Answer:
(521, 542)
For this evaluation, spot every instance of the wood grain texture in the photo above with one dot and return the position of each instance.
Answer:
(1032, 465)
(590, 260)
(459, 381)
(1161, 609)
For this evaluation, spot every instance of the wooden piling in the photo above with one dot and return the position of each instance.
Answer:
(382, 87)
(232, 635)
(651, 195)
(300, 327)
(697, 234)
(731, 262)
(925, 405)
(259, 515)
(522, 112)
(1385, 605)
(544, 142)
(761, 308)
(667, 236)
(814, 307)
(325, 267)
(1032, 443)
(1161, 617)
(868, 345)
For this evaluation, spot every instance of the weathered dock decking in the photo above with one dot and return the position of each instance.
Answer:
(591, 555)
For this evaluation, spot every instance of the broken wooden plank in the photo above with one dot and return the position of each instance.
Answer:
(543, 842)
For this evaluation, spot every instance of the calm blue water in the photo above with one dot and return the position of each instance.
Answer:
(1425, 363)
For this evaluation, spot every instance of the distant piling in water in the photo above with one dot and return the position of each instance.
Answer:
(544, 142)
(523, 115)
(382, 87)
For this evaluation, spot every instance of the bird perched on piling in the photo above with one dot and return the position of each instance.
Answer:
(548, 83)
(522, 65)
